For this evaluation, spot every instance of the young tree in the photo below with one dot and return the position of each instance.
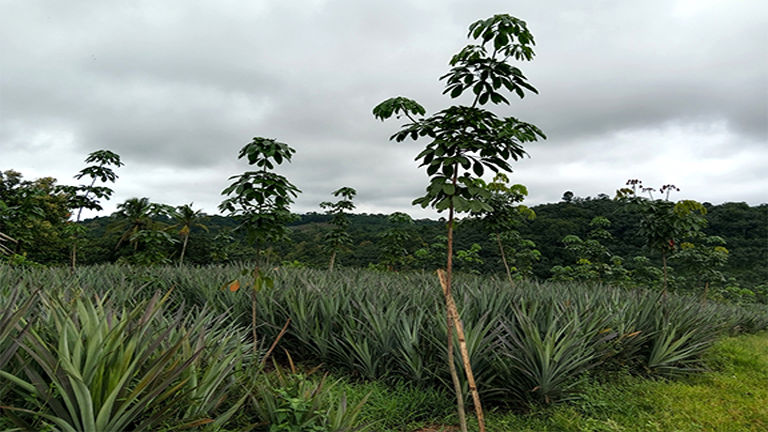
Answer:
(663, 223)
(467, 140)
(337, 239)
(507, 212)
(594, 261)
(260, 202)
(88, 196)
(703, 261)
(522, 252)
(394, 254)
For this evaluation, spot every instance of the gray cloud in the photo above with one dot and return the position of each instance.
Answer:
(178, 88)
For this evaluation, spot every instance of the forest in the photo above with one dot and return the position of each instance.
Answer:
(550, 242)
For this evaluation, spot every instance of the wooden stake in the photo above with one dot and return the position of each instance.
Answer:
(454, 315)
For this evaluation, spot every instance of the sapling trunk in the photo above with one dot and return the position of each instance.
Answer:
(455, 378)
(504, 258)
(257, 282)
(74, 240)
(454, 321)
(253, 321)
(450, 323)
(706, 293)
(453, 314)
(74, 252)
(664, 262)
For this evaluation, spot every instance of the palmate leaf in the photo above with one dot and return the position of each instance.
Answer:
(397, 106)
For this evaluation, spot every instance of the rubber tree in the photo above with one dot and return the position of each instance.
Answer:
(87, 196)
(260, 202)
(663, 224)
(594, 261)
(337, 239)
(703, 260)
(394, 253)
(467, 140)
(507, 212)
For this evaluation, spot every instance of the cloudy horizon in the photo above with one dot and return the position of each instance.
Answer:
(664, 91)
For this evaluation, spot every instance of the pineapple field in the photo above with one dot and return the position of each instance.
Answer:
(166, 348)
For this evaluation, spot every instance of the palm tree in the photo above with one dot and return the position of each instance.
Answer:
(186, 219)
(135, 215)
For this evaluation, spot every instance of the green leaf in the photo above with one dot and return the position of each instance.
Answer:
(478, 169)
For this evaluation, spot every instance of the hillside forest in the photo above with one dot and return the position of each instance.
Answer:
(593, 239)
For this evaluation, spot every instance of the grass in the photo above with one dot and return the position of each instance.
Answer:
(733, 396)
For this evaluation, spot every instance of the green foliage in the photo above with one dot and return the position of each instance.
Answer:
(139, 222)
(730, 397)
(295, 402)
(468, 140)
(91, 366)
(14, 323)
(433, 256)
(507, 212)
(663, 224)
(548, 345)
(338, 239)
(186, 219)
(522, 253)
(467, 260)
(702, 262)
(397, 407)
(505, 215)
(33, 214)
(137, 215)
(88, 196)
(594, 262)
(261, 200)
(394, 253)
(380, 326)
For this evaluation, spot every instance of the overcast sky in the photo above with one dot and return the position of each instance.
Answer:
(660, 90)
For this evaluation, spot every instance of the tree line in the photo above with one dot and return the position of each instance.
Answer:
(574, 239)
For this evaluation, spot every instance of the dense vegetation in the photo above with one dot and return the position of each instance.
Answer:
(418, 245)
(182, 333)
